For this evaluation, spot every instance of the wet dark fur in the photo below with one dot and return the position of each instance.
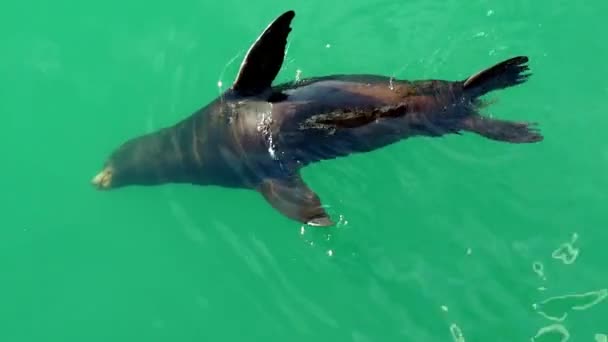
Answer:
(259, 137)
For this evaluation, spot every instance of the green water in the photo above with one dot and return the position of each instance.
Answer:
(500, 242)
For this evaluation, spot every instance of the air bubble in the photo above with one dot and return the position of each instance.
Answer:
(456, 333)
(555, 329)
(539, 269)
(567, 253)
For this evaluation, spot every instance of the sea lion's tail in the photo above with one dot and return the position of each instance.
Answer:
(501, 130)
(508, 73)
(505, 74)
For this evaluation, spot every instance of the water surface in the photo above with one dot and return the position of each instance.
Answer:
(458, 238)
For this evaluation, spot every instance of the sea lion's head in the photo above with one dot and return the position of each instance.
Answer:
(137, 162)
(120, 169)
(103, 180)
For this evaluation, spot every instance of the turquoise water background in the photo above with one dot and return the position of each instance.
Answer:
(451, 239)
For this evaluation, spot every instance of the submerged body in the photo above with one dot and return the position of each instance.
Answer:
(325, 118)
(257, 136)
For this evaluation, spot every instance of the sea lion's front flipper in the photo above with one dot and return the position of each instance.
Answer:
(294, 199)
(265, 57)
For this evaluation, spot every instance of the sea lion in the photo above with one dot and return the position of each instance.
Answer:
(258, 136)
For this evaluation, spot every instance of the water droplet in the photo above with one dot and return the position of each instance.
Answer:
(327, 45)
(490, 12)
(330, 252)
(219, 84)
(342, 221)
(444, 308)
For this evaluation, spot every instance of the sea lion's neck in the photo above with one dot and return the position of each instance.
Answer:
(169, 155)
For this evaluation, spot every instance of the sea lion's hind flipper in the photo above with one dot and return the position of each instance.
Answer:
(513, 132)
(294, 199)
(505, 74)
(264, 58)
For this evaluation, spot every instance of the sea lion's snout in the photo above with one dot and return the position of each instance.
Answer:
(103, 180)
